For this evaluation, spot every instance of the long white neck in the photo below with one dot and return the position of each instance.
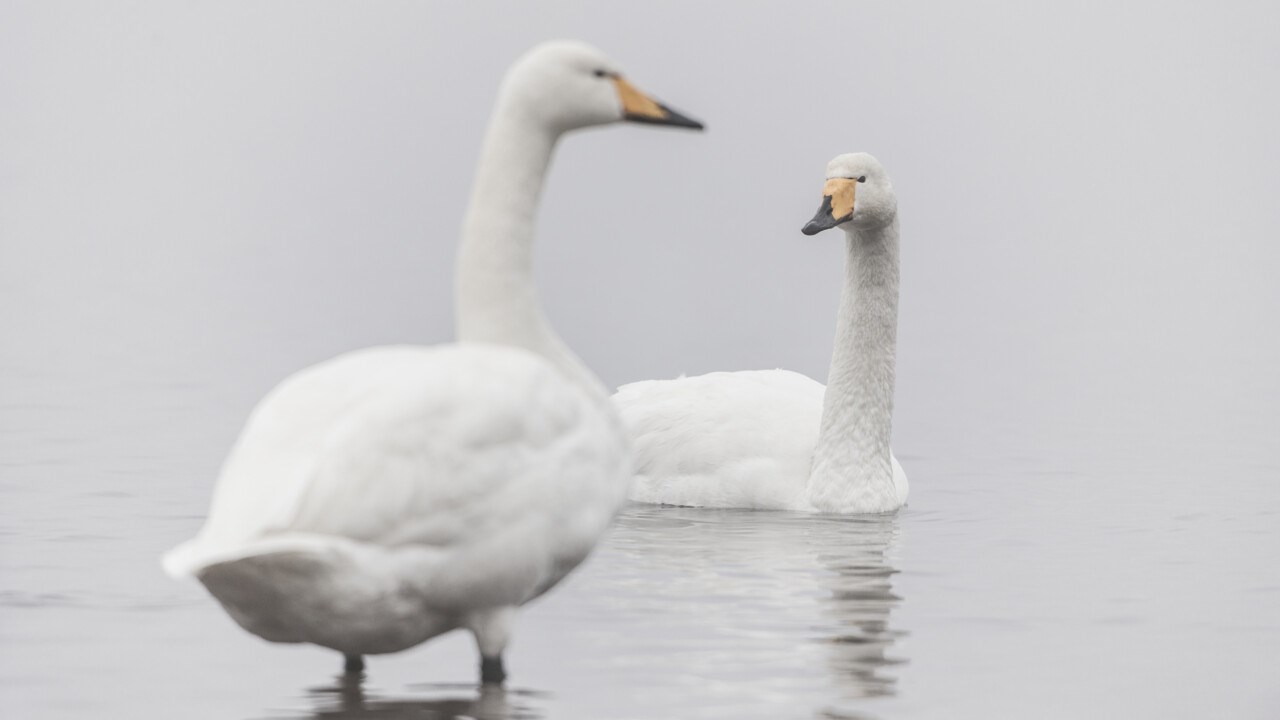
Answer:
(496, 299)
(852, 471)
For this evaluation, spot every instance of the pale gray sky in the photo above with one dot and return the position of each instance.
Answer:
(1087, 191)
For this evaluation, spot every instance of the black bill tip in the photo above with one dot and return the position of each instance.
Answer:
(671, 118)
(823, 220)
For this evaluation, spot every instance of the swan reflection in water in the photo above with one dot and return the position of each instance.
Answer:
(858, 609)
(348, 700)
(759, 608)
(700, 613)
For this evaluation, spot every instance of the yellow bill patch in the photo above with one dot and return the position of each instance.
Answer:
(841, 191)
(636, 103)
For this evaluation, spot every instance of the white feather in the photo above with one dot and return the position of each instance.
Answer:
(774, 439)
(376, 499)
(392, 494)
(726, 439)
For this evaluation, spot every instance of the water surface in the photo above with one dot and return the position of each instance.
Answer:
(1122, 586)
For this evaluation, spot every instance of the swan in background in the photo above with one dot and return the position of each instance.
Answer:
(775, 439)
(392, 494)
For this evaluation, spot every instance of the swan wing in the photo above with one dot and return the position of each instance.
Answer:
(900, 484)
(482, 460)
(724, 439)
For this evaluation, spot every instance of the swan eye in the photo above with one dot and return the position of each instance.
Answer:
(862, 179)
(600, 73)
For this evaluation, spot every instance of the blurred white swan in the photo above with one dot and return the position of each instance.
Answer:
(775, 439)
(395, 493)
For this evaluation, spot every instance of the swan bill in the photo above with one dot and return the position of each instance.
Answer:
(837, 205)
(639, 107)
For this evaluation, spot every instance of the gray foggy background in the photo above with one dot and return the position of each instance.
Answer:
(197, 199)
(1087, 195)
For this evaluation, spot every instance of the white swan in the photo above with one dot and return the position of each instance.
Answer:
(774, 439)
(392, 494)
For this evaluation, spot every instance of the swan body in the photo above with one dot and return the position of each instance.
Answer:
(775, 439)
(726, 439)
(392, 494)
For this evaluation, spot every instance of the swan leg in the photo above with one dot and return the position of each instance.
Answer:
(352, 664)
(492, 629)
(491, 671)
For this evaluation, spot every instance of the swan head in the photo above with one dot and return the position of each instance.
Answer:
(568, 85)
(857, 194)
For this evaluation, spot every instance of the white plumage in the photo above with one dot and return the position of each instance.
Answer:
(393, 494)
(726, 439)
(774, 439)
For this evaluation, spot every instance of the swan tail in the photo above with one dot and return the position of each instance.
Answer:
(192, 558)
(333, 592)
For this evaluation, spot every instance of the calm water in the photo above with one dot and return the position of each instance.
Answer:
(197, 199)
(1139, 583)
